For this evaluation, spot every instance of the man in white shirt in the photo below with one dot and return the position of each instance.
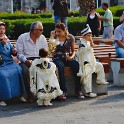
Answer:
(28, 45)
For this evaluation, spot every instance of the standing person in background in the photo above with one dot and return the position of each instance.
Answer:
(60, 8)
(28, 45)
(107, 22)
(94, 22)
(33, 10)
(27, 10)
(56, 7)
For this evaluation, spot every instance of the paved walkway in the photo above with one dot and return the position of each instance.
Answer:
(106, 109)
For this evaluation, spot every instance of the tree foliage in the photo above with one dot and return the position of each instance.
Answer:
(85, 6)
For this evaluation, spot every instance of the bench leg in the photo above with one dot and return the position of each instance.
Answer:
(115, 68)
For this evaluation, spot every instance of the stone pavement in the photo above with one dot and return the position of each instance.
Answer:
(105, 109)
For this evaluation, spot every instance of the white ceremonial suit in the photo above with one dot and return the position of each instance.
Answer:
(88, 65)
(43, 81)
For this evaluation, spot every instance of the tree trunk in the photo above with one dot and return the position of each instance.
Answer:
(85, 6)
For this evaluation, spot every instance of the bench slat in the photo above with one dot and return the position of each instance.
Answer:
(100, 51)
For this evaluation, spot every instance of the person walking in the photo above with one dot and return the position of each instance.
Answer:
(107, 22)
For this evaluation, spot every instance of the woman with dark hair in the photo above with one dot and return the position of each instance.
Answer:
(93, 21)
(64, 56)
(11, 81)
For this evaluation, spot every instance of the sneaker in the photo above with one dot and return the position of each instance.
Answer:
(61, 98)
(65, 94)
(40, 102)
(91, 95)
(47, 103)
(22, 99)
(30, 98)
(2, 103)
(80, 95)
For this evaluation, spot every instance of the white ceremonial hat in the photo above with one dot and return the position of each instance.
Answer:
(86, 30)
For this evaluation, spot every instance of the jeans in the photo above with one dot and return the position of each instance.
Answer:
(64, 20)
(120, 52)
(57, 19)
(108, 32)
(60, 63)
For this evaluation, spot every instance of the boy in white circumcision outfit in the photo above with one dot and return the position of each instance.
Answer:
(88, 64)
(44, 82)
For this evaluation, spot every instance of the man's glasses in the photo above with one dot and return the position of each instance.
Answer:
(39, 29)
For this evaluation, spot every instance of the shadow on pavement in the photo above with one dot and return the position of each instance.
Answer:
(15, 108)
(115, 94)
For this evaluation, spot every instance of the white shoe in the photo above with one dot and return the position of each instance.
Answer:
(80, 74)
(48, 104)
(91, 95)
(40, 104)
(2, 103)
(22, 99)
(103, 83)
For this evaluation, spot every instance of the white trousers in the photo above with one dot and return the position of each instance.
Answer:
(87, 78)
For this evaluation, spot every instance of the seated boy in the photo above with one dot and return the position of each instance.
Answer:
(88, 64)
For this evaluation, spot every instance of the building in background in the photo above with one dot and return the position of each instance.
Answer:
(29, 3)
(6, 5)
(113, 2)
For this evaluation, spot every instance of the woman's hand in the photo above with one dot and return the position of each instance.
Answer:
(14, 51)
(99, 29)
(4, 41)
(28, 63)
(68, 58)
(91, 42)
(52, 34)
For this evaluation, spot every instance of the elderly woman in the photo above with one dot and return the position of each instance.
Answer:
(11, 81)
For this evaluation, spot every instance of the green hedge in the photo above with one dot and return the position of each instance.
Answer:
(19, 22)
(116, 10)
(20, 15)
(17, 27)
(75, 25)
